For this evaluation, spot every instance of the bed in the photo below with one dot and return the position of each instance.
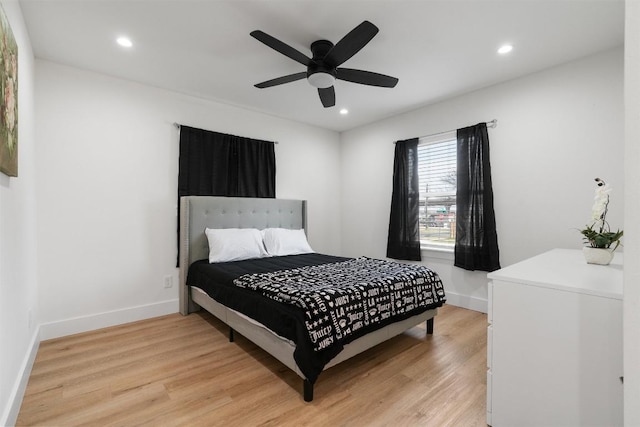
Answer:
(252, 315)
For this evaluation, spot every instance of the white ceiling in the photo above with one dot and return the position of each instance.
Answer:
(438, 49)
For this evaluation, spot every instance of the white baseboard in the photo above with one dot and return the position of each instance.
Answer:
(91, 322)
(12, 410)
(465, 301)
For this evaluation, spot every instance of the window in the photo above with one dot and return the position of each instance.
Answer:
(437, 173)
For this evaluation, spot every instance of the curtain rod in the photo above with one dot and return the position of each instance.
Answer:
(490, 124)
(177, 125)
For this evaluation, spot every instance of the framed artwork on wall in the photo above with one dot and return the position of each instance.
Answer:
(9, 94)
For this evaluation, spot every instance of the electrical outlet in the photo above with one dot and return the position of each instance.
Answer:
(168, 282)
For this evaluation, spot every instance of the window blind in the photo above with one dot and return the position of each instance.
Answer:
(437, 164)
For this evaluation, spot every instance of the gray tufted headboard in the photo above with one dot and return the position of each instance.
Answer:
(200, 212)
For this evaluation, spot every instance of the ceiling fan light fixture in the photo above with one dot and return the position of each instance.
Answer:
(321, 80)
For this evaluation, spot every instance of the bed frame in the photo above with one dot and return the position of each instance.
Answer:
(199, 212)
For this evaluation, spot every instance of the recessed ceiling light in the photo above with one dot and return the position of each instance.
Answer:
(505, 49)
(344, 111)
(124, 41)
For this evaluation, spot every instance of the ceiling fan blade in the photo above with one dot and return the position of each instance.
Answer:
(350, 44)
(327, 96)
(365, 77)
(282, 80)
(281, 47)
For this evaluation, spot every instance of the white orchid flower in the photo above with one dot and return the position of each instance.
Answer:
(601, 201)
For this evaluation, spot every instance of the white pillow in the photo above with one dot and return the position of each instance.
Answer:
(281, 241)
(234, 244)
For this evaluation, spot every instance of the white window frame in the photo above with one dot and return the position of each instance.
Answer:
(445, 195)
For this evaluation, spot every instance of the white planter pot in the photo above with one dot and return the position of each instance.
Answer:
(599, 256)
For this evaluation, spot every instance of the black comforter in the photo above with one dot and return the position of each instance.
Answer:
(252, 295)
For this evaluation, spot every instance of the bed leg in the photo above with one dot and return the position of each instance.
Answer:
(231, 337)
(308, 390)
(430, 326)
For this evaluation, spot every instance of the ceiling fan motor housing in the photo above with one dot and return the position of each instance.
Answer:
(319, 73)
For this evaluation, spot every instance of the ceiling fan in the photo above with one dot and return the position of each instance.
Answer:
(324, 67)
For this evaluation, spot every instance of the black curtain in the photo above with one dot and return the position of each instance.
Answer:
(404, 232)
(217, 164)
(476, 245)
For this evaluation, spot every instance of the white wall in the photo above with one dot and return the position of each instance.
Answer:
(18, 259)
(107, 165)
(557, 130)
(631, 307)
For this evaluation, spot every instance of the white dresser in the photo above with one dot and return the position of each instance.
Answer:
(554, 345)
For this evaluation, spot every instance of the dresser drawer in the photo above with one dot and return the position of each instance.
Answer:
(490, 302)
(489, 346)
(489, 394)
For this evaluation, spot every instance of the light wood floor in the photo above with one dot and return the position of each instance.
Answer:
(181, 370)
